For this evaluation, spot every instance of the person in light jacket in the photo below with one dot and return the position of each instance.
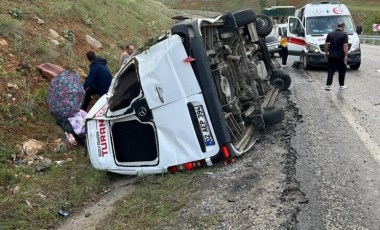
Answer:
(129, 49)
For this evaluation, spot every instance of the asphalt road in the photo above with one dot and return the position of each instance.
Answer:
(338, 146)
(318, 169)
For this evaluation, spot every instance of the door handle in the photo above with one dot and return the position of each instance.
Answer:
(160, 93)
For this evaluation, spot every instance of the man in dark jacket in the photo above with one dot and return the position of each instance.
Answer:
(336, 49)
(98, 80)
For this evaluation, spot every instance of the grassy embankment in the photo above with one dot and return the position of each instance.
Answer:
(39, 196)
(30, 199)
(364, 14)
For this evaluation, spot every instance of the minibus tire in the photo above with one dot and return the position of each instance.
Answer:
(244, 17)
(273, 115)
(264, 25)
(283, 76)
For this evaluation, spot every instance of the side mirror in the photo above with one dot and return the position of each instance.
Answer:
(359, 29)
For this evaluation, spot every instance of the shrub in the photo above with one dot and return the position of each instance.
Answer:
(68, 35)
(88, 22)
(17, 13)
(45, 52)
(10, 28)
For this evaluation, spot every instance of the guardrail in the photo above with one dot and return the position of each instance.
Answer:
(367, 39)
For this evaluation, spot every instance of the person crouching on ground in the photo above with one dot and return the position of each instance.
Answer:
(98, 80)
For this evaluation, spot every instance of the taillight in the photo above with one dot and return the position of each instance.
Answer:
(173, 169)
(225, 151)
(187, 166)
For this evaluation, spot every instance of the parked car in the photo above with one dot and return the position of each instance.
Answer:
(195, 97)
(279, 30)
(273, 45)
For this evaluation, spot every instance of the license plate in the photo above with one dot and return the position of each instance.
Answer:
(203, 126)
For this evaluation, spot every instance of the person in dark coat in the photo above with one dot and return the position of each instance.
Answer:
(98, 80)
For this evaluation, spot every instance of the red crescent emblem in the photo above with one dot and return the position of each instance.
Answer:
(338, 10)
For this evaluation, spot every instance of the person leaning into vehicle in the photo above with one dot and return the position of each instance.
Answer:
(336, 48)
(98, 80)
(284, 50)
(129, 49)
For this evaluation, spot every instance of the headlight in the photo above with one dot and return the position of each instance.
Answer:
(312, 48)
(355, 46)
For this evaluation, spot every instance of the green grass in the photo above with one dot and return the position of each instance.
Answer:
(207, 222)
(10, 27)
(115, 24)
(66, 186)
(363, 14)
(157, 199)
(154, 202)
(70, 186)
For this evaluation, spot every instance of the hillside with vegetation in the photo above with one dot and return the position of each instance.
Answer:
(363, 14)
(33, 189)
(59, 176)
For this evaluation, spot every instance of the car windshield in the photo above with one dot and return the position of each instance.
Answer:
(327, 24)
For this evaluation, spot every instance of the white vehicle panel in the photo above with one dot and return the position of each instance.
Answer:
(164, 71)
(99, 145)
(312, 10)
(177, 140)
(176, 134)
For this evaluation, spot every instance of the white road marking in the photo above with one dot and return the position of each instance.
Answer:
(371, 146)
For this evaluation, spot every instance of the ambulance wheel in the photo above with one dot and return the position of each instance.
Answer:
(304, 62)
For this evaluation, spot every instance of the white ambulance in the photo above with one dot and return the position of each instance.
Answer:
(307, 32)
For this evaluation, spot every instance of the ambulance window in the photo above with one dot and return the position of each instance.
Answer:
(295, 27)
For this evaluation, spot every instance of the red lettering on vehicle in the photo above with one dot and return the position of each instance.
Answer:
(103, 130)
(104, 149)
(103, 138)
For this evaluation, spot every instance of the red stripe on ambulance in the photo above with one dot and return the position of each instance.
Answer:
(296, 41)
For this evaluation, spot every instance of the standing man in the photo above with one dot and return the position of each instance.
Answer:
(336, 49)
(98, 80)
(129, 49)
